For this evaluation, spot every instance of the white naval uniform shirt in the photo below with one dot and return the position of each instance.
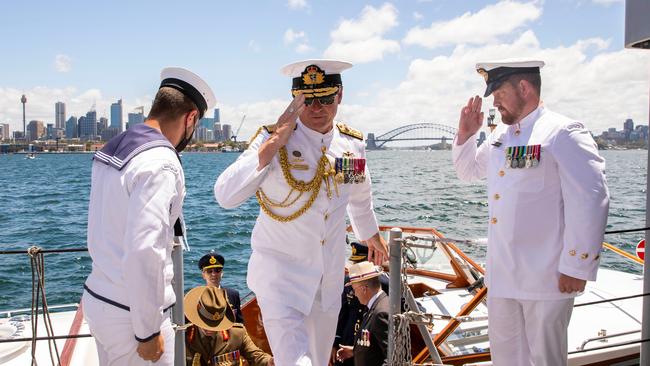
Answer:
(131, 220)
(543, 220)
(292, 260)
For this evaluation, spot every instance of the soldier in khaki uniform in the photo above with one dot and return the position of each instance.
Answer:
(215, 339)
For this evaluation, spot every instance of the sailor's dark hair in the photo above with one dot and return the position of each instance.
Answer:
(169, 104)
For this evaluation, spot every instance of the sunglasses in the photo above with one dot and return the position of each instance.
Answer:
(328, 100)
(211, 270)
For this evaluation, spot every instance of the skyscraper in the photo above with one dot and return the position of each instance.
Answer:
(117, 117)
(137, 117)
(35, 130)
(4, 135)
(218, 134)
(59, 115)
(88, 126)
(226, 132)
(71, 128)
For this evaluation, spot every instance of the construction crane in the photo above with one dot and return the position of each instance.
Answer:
(234, 137)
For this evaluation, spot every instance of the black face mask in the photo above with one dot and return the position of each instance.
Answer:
(186, 140)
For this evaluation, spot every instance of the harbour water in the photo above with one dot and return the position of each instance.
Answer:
(44, 202)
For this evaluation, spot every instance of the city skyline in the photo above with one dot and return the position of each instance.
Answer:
(414, 60)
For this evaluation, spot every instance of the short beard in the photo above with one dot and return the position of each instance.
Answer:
(515, 115)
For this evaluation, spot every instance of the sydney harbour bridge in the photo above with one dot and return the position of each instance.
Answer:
(416, 135)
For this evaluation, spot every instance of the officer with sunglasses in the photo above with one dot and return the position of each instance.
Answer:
(211, 266)
(306, 171)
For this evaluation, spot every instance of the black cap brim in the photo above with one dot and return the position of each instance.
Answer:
(492, 87)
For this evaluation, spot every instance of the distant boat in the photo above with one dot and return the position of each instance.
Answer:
(30, 156)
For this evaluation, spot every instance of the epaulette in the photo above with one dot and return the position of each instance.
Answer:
(347, 130)
(269, 128)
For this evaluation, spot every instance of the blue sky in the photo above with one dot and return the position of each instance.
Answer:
(413, 56)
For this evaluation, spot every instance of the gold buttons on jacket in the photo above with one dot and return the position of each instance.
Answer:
(572, 252)
(327, 216)
(322, 242)
(584, 256)
(494, 220)
(501, 173)
(496, 196)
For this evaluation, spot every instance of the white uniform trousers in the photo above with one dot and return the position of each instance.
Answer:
(113, 333)
(528, 332)
(297, 339)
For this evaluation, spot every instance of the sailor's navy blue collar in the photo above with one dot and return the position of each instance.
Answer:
(122, 148)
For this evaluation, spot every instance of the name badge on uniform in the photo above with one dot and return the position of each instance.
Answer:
(523, 156)
(350, 170)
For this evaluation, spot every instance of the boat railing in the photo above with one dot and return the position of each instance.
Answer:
(605, 337)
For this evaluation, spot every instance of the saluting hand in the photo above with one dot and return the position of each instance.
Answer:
(471, 119)
(377, 249)
(152, 349)
(570, 284)
(287, 121)
(283, 129)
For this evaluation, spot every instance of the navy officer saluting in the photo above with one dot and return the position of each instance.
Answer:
(306, 172)
(212, 266)
(548, 203)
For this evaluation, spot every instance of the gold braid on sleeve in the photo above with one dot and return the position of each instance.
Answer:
(323, 172)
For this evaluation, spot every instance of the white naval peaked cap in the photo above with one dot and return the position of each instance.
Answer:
(511, 62)
(328, 66)
(191, 85)
(496, 72)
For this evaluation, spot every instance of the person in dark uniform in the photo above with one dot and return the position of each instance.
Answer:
(211, 266)
(215, 339)
(352, 311)
(371, 340)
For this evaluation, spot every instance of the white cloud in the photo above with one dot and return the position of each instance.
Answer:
(417, 16)
(62, 63)
(607, 2)
(300, 37)
(484, 26)
(291, 36)
(254, 46)
(304, 48)
(361, 40)
(297, 4)
(601, 90)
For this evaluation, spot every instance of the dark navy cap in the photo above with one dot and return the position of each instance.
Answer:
(495, 73)
(359, 252)
(211, 260)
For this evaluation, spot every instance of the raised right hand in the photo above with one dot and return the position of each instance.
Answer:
(287, 121)
(283, 129)
(471, 119)
(152, 349)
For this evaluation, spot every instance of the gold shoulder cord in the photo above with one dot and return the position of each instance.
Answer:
(323, 172)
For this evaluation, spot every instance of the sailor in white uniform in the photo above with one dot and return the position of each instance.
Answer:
(548, 204)
(136, 199)
(306, 172)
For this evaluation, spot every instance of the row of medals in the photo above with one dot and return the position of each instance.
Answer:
(350, 169)
(226, 358)
(364, 340)
(523, 156)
